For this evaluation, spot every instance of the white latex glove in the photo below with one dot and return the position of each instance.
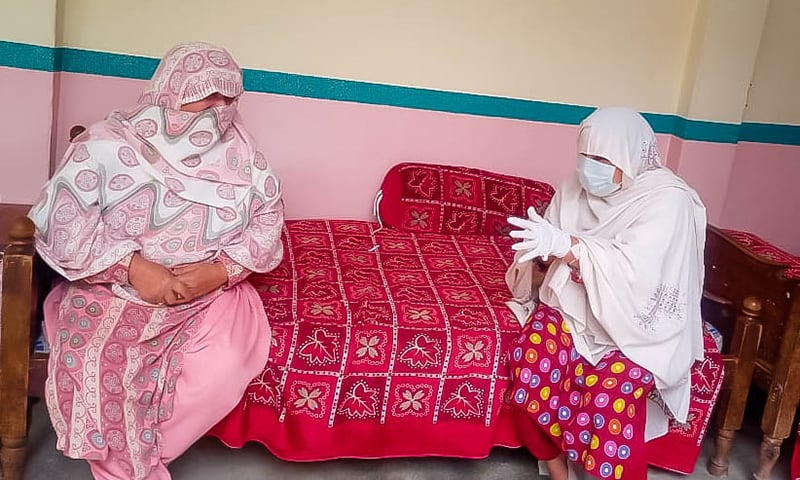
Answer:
(539, 237)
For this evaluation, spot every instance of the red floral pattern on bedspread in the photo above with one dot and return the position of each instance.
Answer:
(399, 351)
(384, 344)
(421, 197)
(679, 449)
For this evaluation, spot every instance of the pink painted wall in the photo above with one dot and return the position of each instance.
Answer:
(764, 193)
(706, 166)
(332, 156)
(26, 102)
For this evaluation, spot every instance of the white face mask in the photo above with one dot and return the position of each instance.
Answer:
(596, 177)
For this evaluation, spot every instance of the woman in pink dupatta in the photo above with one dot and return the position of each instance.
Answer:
(154, 218)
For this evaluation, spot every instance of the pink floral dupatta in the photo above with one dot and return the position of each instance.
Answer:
(179, 188)
(126, 181)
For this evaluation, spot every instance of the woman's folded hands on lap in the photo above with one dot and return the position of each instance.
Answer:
(159, 285)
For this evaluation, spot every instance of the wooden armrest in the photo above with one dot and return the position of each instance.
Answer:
(717, 234)
(19, 307)
(732, 266)
(735, 273)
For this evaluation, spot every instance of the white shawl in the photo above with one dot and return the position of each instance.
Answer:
(641, 259)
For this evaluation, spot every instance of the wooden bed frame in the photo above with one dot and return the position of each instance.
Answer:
(25, 280)
(735, 272)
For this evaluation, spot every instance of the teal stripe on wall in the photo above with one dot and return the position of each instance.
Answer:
(21, 55)
(770, 133)
(409, 97)
(31, 57)
(102, 63)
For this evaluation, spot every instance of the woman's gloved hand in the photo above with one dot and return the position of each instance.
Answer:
(539, 237)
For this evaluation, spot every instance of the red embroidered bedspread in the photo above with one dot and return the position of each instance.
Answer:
(392, 344)
(384, 344)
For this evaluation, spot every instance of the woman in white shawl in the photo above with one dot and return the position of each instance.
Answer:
(618, 318)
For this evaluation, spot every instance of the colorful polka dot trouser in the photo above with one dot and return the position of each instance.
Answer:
(595, 414)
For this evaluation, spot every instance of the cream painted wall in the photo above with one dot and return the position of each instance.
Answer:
(28, 21)
(690, 57)
(723, 53)
(774, 96)
(573, 51)
(762, 190)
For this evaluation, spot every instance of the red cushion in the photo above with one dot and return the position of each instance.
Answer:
(449, 199)
(761, 247)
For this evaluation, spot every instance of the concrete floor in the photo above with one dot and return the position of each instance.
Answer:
(209, 459)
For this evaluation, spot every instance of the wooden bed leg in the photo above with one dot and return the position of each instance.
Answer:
(770, 451)
(718, 464)
(777, 421)
(12, 457)
(744, 347)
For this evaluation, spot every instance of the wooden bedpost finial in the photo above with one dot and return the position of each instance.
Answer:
(752, 306)
(21, 230)
(75, 131)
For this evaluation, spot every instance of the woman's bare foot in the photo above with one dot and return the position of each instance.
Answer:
(558, 468)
